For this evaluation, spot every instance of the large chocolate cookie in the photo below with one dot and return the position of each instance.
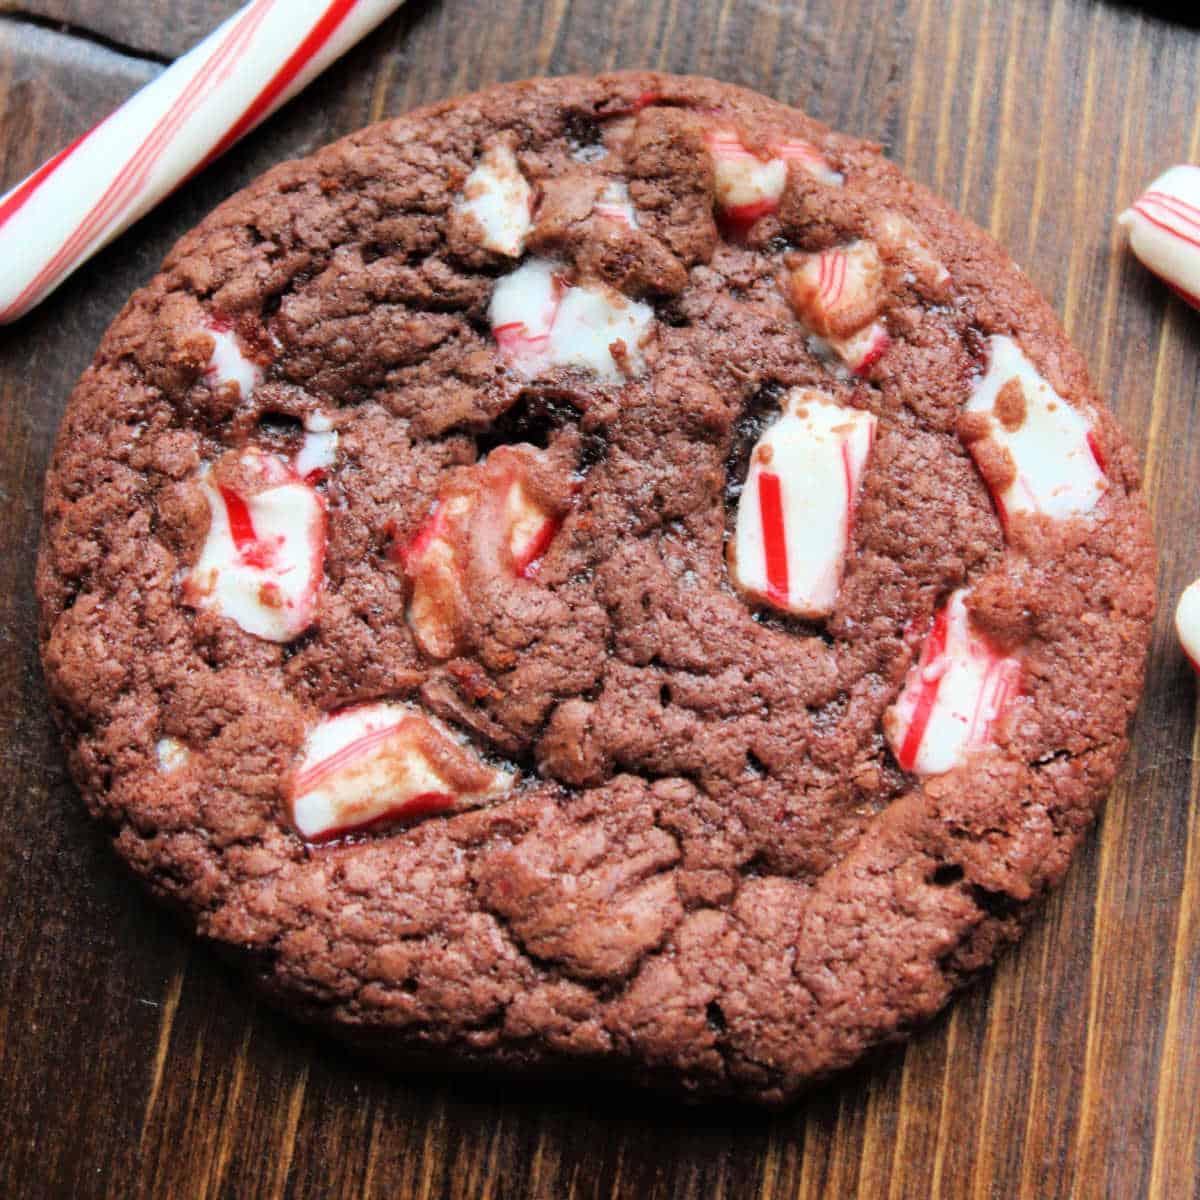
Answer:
(600, 573)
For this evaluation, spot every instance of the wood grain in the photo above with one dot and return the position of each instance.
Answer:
(131, 1062)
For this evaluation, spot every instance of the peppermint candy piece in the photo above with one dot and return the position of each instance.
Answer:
(953, 696)
(541, 323)
(1036, 453)
(1164, 230)
(378, 763)
(493, 502)
(263, 561)
(500, 200)
(1187, 622)
(796, 512)
(614, 204)
(749, 186)
(229, 363)
(838, 294)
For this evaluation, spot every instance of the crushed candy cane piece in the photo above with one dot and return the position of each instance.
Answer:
(953, 695)
(747, 186)
(899, 238)
(318, 450)
(487, 510)
(540, 323)
(1035, 452)
(262, 564)
(1187, 622)
(810, 160)
(229, 363)
(1164, 230)
(614, 203)
(500, 200)
(172, 755)
(796, 513)
(838, 295)
(375, 764)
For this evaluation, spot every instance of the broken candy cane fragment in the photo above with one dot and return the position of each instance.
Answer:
(500, 200)
(796, 512)
(1187, 623)
(862, 351)
(541, 323)
(513, 528)
(263, 559)
(810, 160)
(838, 292)
(318, 450)
(172, 755)
(747, 187)
(228, 363)
(1164, 230)
(378, 763)
(1036, 453)
(901, 240)
(953, 695)
(614, 204)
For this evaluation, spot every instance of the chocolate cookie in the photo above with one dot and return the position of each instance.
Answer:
(600, 574)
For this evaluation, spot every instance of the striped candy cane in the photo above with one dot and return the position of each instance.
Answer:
(86, 195)
(1164, 230)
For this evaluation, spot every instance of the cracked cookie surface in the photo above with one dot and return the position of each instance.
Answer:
(599, 574)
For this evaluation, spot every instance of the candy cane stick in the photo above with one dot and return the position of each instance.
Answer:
(194, 111)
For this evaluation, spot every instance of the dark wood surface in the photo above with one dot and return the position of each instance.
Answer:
(131, 1061)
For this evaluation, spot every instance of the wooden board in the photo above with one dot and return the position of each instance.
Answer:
(131, 1062)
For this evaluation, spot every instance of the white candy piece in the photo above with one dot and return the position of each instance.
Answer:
(541, 323)
(1187, 622)
(172, 755)
(952, 697)
(318, 450)
(500, 199)
(376, 763)
(228, 364)
(747, 187)
(796, 511)
(1164, 230)
(615, 204)
(263, 559)
(1057, 466)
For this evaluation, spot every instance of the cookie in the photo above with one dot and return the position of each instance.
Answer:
(599, 575)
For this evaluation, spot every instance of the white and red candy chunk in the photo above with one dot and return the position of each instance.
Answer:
(614, 204)
(318, 449)
(229, 363)
(838, 294)
(500, 200)
(953, 695)
(796, 512)
(263, 560)
(375, 764)
(492, 513)
(1035, 452)
(540, 323)
(1187, 622)
(750, 185)
(1164, 230)
(901, 240)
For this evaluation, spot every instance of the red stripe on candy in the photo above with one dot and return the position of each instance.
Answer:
(309, 779)
(312, 45)
(241, 524)
(526, 565)
(1165, 226)
(22, 194)
(934, 648)
(770, 509)
(1188, 212)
